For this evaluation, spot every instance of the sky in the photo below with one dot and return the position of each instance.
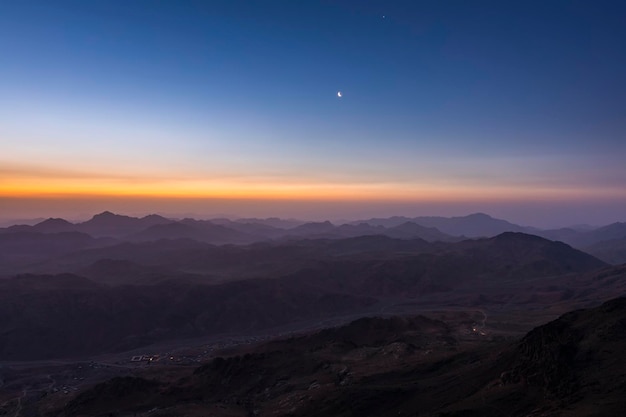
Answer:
(516, 109)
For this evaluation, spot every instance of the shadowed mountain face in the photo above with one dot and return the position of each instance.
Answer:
(290, 283)
(63, 315)
(467, 264)
(528, 253)
(574, 363)
(21, 249)
(396, 366)
(507, 254)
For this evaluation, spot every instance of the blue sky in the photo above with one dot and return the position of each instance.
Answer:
(484, 104)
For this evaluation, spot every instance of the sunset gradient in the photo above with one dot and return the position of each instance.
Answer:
(226, 107)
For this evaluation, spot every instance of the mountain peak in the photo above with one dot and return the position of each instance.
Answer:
(153, 216)
(53, 225)
(104, 214)
(53, 220)
(479, 215)
(107, 216)
(510, 236)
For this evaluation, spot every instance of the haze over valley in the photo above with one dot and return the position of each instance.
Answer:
(151, 301)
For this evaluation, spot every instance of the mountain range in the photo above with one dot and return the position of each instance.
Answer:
(438, 316)
(133, 294)
(605, 242)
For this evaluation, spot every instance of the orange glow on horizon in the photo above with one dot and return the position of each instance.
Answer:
(319, 191)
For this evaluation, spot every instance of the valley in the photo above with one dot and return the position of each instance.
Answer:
(289, 325)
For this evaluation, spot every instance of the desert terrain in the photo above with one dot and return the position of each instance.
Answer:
(150, 316)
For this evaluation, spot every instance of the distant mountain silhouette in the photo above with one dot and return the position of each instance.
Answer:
(313, 229)
(259, 230)
(115, 225)
(105, 224)
(360, 229)
(411, 230)
(585, 238)
(565, 234)
(5, 223)
(154, 228)
(612, 251)
(611, 232)
(386, 222)
(47, 226)
(473, 225)
(202, 231)
(245, 231)
(407, 230)
(607, 243)
(274, 222)
(168, 231)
